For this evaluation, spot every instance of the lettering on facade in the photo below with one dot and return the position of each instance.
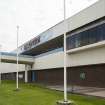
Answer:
(31, 43)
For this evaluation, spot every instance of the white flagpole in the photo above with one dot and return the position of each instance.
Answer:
(0, 63)
(65, 101)
(17, 81)
(65, 68)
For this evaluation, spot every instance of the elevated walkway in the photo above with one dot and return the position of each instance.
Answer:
(12, 58)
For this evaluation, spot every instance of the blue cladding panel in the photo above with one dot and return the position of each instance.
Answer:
(33, 76)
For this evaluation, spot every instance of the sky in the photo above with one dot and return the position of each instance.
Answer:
(33, 17)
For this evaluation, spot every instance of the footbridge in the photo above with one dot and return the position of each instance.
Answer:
(12, 58)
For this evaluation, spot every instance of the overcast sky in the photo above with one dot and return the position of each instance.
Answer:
(33, 17)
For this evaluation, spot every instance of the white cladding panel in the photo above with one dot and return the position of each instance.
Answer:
(87, 57)
(54, 60)
(88, 15)
(9, 67)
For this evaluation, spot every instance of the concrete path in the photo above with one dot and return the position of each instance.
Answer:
(93, 91)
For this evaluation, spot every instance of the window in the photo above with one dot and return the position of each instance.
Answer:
(87, 37)
(71, 42)
(92, 35)
(102, 31)
(84, 38)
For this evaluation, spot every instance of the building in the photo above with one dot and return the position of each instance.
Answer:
(85, 51)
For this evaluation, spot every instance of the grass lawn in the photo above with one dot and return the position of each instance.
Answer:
(37, 95)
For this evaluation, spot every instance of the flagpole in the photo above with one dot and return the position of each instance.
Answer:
(65, 69)
(65, 101)
(0, 63)
(17, 81)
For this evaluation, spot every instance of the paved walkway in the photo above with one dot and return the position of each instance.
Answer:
(93, 91)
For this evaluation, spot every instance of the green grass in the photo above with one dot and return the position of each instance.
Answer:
(38, 95)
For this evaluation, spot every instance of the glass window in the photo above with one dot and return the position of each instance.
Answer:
(92, 35)
(102, 31)
(77, 40)
(84, 38)
(68, 42)
(87, 37)
(72, 41)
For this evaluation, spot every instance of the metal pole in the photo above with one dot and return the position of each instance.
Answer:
(65, 69)
(0, 64)
(65, 101)
(0, 77)
(17, 86)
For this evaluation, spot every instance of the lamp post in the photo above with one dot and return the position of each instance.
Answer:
(65, 101)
